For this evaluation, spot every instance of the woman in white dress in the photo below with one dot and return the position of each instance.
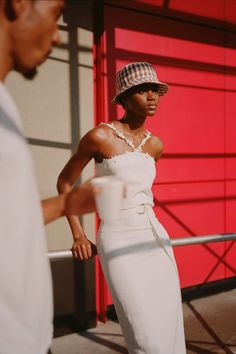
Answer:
(135, 251)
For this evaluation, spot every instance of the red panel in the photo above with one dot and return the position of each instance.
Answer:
(231, 207)
(222, 10)
(166, 46)
(231, 227)
(206, 8)
(190, 120)
(180, 170)
(151, 2)
(230, 174)
(196, 178)
(200, 264)
(230, 11)
(188, 210)
(191, 209)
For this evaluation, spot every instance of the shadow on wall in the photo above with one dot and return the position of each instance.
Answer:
(77, 14)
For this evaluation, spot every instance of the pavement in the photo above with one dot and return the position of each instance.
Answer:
(210, 327)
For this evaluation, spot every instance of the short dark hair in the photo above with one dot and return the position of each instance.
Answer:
(9, 10)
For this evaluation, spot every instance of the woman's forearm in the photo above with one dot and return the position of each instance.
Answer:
(64, 186)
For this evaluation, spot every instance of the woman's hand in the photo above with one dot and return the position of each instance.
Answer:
(83, 249)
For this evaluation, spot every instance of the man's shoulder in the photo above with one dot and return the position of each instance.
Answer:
(8, 108)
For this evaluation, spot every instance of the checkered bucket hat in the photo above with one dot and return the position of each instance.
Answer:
(135, 74)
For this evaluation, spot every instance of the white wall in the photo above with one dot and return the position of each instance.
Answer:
(46, 106)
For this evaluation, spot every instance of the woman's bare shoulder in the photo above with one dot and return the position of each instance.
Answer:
(156, 145)
(95, 140)
(99, 134)
(156, 140)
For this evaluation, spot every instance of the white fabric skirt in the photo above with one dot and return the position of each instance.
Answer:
(140, 270)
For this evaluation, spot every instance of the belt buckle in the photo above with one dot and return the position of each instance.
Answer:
(143, 209)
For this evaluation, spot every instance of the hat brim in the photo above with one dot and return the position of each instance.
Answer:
(162, 88)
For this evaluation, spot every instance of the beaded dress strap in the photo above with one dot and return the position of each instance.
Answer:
(128, 141)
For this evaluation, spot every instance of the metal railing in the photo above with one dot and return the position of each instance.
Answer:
(195, 240)
(185, 241)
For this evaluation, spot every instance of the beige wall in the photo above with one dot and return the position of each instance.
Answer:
(53, 122)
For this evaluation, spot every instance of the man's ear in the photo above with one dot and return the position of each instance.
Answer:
(14, 8)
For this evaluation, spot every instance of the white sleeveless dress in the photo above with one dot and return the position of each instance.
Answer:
(138, 262)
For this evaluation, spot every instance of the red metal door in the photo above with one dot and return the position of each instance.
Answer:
(195, 53)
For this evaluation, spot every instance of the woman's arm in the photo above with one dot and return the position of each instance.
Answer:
(89, 146)
(159, 148)
(155, 147)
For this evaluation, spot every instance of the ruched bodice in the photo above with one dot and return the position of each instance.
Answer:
(137, 169)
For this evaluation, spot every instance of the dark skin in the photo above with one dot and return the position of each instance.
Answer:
(101, 142)
(28, 32)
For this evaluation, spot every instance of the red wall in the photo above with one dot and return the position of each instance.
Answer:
(195, 187)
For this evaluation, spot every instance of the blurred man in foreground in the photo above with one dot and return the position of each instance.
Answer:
(28, 30)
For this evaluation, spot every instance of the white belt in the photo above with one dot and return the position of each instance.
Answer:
(139, 209)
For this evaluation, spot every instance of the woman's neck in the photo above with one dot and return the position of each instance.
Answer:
(133, 123)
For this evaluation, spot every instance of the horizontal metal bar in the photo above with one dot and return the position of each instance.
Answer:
(64, 254)
(183, 241)
(195, 240)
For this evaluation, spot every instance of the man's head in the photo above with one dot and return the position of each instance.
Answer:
(30, 29)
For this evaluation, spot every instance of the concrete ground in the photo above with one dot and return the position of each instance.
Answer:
(210, 327)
